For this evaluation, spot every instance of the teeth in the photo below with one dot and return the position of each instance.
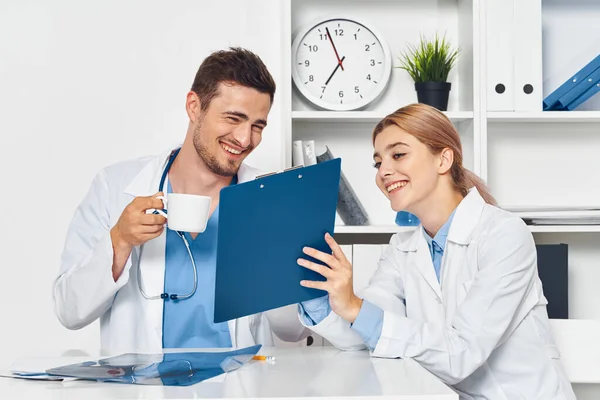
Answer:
(396, 186)
(231, 150)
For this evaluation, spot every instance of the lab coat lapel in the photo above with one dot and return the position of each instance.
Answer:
(420, 259)
(151, 267)
(467, 217)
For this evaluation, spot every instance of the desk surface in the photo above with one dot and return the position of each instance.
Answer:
(306, 372)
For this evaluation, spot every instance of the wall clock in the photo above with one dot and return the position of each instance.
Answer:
(340, 64)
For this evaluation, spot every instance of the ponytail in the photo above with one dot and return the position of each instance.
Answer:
(471, 180)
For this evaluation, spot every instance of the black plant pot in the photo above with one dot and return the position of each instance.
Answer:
(434, 94)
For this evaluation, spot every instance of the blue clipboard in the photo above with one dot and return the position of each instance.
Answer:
(263, 226)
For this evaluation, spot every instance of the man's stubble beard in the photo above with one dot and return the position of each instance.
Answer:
(209, 159)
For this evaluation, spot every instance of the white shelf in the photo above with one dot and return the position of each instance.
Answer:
(564, 228)
(545, 116)
(372, 229)
(363, 116)
(386, 229)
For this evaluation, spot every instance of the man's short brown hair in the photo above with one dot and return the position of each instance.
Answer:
(235, 65)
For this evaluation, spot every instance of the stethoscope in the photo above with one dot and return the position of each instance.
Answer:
(165, 295)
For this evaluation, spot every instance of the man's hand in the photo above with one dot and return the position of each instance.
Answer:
(342, 299)
(135, 228)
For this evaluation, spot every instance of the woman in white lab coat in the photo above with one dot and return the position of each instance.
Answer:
(482, 326)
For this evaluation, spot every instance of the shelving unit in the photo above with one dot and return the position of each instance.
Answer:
(527, 158)
(366, 117)
(391, 229)
(564, 228)
(546, 117)
(369, 229)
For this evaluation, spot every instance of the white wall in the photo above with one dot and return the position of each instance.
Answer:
(85, 84)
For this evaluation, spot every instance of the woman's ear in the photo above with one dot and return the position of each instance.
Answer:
(446, 160)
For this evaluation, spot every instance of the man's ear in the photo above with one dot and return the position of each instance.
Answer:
(446, 160)
(192, 106)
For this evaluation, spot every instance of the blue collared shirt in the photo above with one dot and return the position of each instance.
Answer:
(189, 323)
(437, 244)
(369, 321)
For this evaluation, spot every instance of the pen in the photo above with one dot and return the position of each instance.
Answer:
(264, 358)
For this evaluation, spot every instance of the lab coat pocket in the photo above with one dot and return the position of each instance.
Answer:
(552, 352)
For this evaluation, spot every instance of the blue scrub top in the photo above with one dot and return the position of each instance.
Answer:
(189, 323)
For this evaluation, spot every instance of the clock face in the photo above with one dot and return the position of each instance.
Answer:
(340, 64)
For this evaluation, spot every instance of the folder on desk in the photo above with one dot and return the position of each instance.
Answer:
(167, 369)
(263, 226)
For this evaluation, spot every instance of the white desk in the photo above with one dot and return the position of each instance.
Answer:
(299, 373)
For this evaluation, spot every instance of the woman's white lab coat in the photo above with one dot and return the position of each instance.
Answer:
(85, 289)
(484, 329)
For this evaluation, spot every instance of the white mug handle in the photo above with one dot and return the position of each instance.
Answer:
(155, 211)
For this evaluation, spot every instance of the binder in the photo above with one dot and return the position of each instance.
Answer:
(500, 57)
(550, 102)
(309, 155)
(263, 226)
(580, 88)
(553, 270)
(528, 91)
(349, 207)
(297, 153)
(584, 97)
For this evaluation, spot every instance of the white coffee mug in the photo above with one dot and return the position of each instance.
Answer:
(186, 212)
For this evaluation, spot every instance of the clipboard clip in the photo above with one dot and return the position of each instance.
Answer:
(279, 172)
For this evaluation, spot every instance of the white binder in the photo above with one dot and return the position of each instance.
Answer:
(528, 91)
(499, 44)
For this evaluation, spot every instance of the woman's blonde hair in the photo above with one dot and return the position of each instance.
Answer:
(432, 128)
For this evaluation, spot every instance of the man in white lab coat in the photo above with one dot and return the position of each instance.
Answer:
(119, 259)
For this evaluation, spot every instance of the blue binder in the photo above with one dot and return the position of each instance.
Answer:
(263, 226)
(551, 100)
(564, 103)
(584, 97)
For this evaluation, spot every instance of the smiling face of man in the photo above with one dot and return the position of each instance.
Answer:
(231, 127)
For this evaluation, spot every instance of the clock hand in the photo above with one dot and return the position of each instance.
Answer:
(334, 49)
(336, 68)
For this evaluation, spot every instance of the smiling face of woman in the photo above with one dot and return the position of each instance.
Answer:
(408, 173)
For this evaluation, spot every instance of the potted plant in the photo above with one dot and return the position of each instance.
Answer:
(429, 64)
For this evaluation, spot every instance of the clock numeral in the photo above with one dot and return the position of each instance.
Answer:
(356, 90)
(339, 32)
(313, 48)
(306, 63)
(341, 93)
(323, 89)
(323, 36)
(367, 47)
(356, 34)
(369, 77)
(311, 78)
(372, 63)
